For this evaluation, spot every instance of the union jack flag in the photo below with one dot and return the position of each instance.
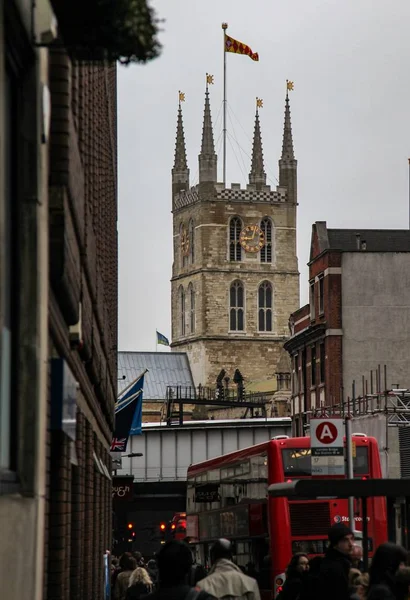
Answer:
(118, 445)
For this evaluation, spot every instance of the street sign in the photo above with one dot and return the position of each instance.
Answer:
(326, 440)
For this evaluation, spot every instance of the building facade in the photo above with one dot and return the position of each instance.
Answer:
(58, 310)
(355, 320)
(235, 272)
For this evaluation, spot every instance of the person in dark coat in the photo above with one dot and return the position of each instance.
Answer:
(296, 577)
(387, 559)
(310, 587)
(174, 564)
(153, 572)
(333, 580)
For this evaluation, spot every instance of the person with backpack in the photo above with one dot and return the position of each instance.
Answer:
(174, 566)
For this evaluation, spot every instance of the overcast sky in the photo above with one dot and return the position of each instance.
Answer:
(350, 114)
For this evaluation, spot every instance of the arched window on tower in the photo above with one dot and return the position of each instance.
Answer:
(235, 250)
(265, 306)
(236, 307)
(191, 237)
(191, 300)
(182, 310)
(183, 244)
(266, 251)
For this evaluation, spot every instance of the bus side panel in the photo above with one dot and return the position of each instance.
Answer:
(279, 521)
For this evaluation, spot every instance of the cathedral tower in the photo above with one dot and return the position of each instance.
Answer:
(235, 275)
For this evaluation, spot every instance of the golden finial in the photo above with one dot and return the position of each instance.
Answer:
(181, 96)
(290, 86)
(259, 103)
(224, 25)
(209, 79)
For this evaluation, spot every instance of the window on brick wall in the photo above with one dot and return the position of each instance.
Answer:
(296, 375)
(266, 251)
(312, 299)
(265, 306)
(321, 295)
(235, 249)
(313, 365)
(182, 310)
(322, 363)
(191, 296)
(236, 306)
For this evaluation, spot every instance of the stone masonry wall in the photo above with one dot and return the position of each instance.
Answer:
(211, 346)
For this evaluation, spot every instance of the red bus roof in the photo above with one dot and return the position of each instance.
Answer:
(233, 457)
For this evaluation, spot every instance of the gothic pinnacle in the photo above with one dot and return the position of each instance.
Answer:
(207, 146)
(257, 174)
(180, 161)
(287, 146)
(207, 157)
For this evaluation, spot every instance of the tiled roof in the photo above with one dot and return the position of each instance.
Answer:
(377, 240)
(164, 368)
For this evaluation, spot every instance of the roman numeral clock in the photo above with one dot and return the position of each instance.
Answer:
(252, 239)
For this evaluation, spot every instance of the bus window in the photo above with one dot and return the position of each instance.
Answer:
(297, 462)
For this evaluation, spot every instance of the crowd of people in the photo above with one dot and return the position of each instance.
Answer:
(338, 575)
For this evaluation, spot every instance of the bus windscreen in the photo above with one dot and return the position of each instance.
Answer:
(297, 462)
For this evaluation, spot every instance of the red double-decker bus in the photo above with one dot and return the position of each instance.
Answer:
(227, 497)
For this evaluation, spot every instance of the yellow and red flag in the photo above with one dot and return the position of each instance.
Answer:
(232, 45)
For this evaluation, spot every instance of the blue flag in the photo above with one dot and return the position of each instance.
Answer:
(128, 414)
(162, 340)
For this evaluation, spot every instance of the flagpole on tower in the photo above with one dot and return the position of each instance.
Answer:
(224, 28)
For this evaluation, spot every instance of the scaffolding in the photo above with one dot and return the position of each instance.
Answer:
(375, 398)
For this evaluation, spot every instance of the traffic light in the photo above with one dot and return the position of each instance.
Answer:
(162, 529)
(130, 526)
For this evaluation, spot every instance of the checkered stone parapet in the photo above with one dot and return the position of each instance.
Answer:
(238, 195)
(185, 198)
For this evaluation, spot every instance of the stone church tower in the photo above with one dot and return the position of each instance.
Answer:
(235, 276)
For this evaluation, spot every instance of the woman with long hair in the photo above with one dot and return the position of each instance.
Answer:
(386, 561)
(140, 584)
(127, 564)
(296, 575)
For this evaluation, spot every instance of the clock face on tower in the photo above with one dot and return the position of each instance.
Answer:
(252, 238)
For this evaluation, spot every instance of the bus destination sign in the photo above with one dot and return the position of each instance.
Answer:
(326, 438)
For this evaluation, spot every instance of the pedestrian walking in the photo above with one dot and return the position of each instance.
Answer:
(357, 558)
(174, 564)
(296, 577)
(387, 559)
(333, 580)
(310, 588)
(140, 584)
(225, 579)
(402, 582)
(128, 565)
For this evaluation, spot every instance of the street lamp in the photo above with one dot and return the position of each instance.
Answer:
(117, 461)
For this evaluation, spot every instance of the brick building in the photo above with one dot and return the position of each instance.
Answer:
(359, 304)
(235, 273)
(58, 310)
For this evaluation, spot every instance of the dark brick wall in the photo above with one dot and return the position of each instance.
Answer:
(83, 279)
